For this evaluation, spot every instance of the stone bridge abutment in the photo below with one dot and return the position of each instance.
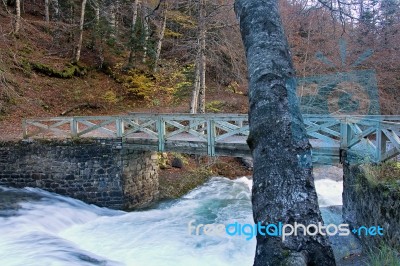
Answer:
(96, 171)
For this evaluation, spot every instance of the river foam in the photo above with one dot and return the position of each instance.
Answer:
(48, 229)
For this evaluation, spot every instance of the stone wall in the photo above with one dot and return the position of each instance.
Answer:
(100, 171)
(140, 177)
(370, 204)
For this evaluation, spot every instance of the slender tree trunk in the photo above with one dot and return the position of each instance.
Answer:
(160, 38)
(97, 39)
(145, 32)
(131, 45)
(283, 183)
(202, 58)
(80, 40)
(46, 11)
(112, 18)
(17, 16)
(196, 88)
(5, 7)
(56, 8)
(96, 7)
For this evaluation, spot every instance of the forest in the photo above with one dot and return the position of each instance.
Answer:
(95, 57)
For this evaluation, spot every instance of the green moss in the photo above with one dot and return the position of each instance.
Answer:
(72, 70)
(385, 174)
(286, 253)
(383, 255)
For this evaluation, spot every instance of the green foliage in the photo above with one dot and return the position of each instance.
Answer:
(214, 106)
(137, 83)
(156, 102)
(182, 20)
(72, 70)
(172, 34)
(183, 82)
(234, 87)
(387, 173)
(383, 256)
(162, 160)
(111, 97)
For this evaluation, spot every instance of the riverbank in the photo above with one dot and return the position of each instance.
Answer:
(180, 173)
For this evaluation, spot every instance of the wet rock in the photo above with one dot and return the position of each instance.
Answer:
(177, 163)
(248, 162)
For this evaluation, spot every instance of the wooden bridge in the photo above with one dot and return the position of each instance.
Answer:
(362, 138)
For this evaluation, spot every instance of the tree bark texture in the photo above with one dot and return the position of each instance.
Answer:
(160, 38)
(46, 11)
(135, 5)
(202, 57)
(17, 16)
(283, 183)
(145, 16)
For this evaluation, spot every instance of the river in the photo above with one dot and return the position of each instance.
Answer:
(42, 228)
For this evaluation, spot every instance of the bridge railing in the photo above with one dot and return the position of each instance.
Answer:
(376, 138)
(210, 129)
(369, 138)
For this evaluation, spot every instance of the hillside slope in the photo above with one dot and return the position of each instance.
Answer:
(36, 80)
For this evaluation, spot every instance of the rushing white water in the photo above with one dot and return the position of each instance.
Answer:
(48, 229)
(329, 192)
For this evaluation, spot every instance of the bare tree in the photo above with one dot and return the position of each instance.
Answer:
(17, 16)
(145, 21)
(196, 87)
(56, 8)
(202, 57)
(46, 11)
(160, 37)
(80, 40)
(135, 5)
(199, 89)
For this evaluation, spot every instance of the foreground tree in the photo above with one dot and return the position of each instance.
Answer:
(283, 184)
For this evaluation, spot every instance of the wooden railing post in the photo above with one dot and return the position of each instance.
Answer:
(381, 140)
(119, 124)
(211, 137)
(343, 134)
(24, 129)
(74, 127)
(161, 133)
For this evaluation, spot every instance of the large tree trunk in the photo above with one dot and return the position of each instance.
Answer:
(283, 184)
(80, 40)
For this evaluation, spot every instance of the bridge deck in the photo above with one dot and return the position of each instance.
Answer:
(372, 138)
